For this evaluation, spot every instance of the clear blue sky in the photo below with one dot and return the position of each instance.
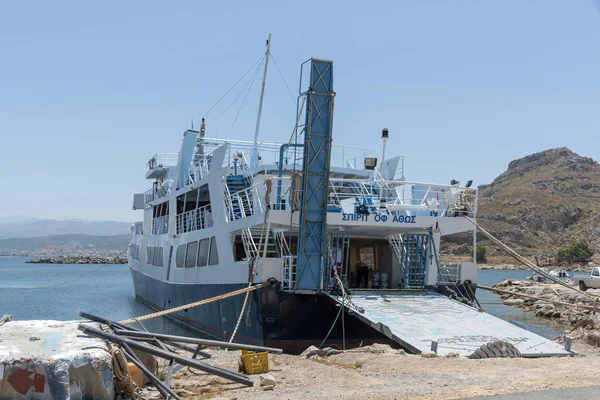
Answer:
(90, 90)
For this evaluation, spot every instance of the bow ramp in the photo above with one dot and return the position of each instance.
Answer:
(416, 319)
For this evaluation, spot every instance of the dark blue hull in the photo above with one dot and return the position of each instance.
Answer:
(277, 318)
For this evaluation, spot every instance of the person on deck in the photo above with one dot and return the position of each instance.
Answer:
(362, 273)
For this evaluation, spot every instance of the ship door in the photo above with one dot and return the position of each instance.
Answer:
(338, 255)
(414, 249)
(169, 264)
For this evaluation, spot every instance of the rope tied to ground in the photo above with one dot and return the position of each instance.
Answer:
(526, 262)
(531, 297)
(123, 380)
(70, 280)
(253, 261)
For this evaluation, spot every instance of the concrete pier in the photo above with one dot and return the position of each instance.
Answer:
(53, 360)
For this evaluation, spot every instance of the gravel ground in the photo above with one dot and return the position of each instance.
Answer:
(379, 372)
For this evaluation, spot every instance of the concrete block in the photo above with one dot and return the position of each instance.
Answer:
(53, 360)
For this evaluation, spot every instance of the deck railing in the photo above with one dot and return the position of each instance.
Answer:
(193, 220)
(161, 160)
(156, 192)
(244, 203)
(160, 225)
(402, 197)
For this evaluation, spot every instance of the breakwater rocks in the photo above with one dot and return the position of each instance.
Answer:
(79, 260)
(559, 303)
(512, 267)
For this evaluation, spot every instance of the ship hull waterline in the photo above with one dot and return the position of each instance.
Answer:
(277, 318)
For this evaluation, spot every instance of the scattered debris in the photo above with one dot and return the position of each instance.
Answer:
(315, 351)
(267, 380)
(125, 341)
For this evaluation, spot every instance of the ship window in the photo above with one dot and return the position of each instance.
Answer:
(180, 256)
(154, 256)
(203, 253)
(214, 254)
(190, 255)
(134, 251)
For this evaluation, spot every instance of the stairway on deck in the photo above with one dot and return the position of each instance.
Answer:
(241, 204)
(415, 319)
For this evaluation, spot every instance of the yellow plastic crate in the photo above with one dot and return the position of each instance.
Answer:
(255, 363)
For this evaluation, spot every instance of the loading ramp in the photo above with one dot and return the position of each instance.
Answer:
(415, 319)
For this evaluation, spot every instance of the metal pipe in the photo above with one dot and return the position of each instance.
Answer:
(206, 342)
(233, 376)
(164, 390)
(180, 346)
(116, 325)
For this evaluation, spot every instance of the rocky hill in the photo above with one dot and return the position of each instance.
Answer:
(544, 201)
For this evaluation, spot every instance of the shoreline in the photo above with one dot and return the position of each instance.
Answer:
(520, 267)
(78, 260)
(580, 324)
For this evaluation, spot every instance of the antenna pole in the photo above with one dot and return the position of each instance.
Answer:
(254, 162)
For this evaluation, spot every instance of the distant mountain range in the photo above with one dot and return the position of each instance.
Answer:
(65, 245)
(26, 227)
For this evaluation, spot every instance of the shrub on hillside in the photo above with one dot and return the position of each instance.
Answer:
(480, 254)
(576, 252)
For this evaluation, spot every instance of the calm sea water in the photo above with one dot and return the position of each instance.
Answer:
(109, 293)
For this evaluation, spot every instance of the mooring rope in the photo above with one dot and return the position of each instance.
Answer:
(69, 281)
(528, 296)
(195, 304)
(123, 380)
(526, 262)
(253, 261)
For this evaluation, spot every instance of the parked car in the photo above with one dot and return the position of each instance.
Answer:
(593, 281)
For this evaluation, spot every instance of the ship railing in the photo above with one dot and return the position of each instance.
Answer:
(449, 273)
(402, 197)
(244, 203)
(341, 155)
(158, 190)
(397, 197)
(149, 196)
(161, 160)
(160, 225)
(193, 220)
(288, 278)
(137, 228)
(197, 172)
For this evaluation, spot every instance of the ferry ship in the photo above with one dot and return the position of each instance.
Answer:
(307, 215)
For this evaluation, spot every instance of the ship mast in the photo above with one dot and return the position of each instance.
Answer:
(254, 161)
